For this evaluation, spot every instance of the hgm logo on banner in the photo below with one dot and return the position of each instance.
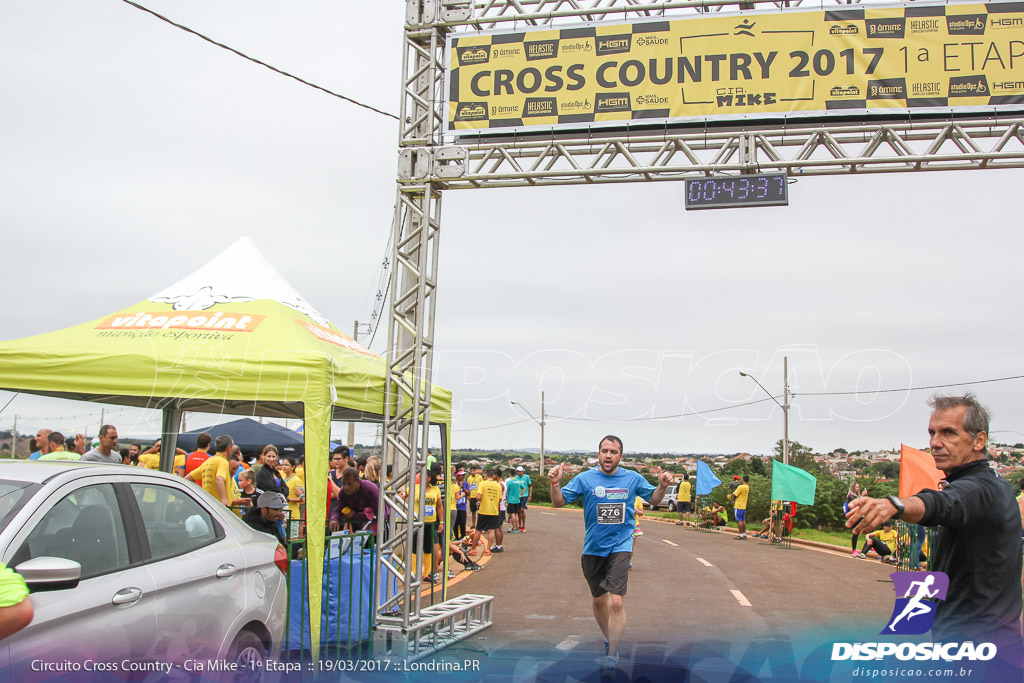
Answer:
(611, 45)
(611, 101)
(911, 615)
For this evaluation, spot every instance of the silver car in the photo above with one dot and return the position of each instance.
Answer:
(134, 572)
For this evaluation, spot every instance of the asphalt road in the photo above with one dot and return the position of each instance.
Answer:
(688, 589)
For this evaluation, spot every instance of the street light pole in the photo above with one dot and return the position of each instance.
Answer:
(785, 410)
(542, 433)
(784, 405)
(351, 423)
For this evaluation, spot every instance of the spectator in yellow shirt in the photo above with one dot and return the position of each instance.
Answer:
(15, 607)
(739, 498)
(882, 541)
(296, 492)
(215, 471)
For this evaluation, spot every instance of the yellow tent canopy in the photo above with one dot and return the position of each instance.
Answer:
(233, 337)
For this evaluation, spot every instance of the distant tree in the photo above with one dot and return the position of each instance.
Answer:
(733, 467)
(795, 448)
(1018, 445)
(757, 467)
(885, 469)
(840, 450)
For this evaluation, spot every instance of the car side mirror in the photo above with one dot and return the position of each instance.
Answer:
(50, 573)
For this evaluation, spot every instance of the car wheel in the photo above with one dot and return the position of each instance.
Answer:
(671, 507)
(249, 653)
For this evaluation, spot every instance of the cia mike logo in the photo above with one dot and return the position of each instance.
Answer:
(914, 612)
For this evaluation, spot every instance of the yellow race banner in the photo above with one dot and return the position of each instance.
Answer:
(866, 60)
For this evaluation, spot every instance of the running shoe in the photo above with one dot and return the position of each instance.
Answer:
(473, 567)
(497, 549)
(609, 667)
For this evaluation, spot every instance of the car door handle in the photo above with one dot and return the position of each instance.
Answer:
(226, 570)
(127, 596)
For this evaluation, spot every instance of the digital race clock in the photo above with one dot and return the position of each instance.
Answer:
(725, 192)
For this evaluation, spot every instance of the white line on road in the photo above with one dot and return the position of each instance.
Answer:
(739, 598)
(704, 562)
(674, 545)
(569, 643)
(550, 514)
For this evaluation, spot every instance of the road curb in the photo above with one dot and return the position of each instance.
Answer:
(796, 541)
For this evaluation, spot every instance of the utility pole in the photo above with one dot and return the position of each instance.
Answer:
(785, 410)
(352, 425)
(542, 434)
(14, 438)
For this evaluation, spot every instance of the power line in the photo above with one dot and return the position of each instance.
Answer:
(889, 391)
(9, 402)
(663, 417)
(750, 403)
(507, 424)
(264, 64)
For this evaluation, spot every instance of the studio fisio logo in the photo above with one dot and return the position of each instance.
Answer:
(914, 613)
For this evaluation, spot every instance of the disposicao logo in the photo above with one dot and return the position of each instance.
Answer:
(912, 615)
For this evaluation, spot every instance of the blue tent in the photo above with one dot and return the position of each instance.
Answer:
(251, 436)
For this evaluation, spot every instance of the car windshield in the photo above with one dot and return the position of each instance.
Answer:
(13, 496)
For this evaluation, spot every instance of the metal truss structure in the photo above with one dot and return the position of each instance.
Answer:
(431, 160)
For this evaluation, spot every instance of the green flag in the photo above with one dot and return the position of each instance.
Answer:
(792, 483)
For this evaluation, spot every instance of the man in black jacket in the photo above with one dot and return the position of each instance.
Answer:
(979, 539)
(267, 514)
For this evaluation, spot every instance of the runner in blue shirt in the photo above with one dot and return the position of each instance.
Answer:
(524, 497)
(608, 494)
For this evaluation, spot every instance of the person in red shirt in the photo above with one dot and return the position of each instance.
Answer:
(197, 457)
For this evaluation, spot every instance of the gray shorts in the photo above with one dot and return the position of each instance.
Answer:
(606, 574)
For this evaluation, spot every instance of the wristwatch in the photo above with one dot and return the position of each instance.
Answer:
(898, 504)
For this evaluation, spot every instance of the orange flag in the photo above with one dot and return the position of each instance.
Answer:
(917, 471)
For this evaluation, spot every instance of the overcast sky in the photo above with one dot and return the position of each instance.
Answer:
(134, 152)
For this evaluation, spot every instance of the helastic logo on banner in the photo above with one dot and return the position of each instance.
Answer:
(540, 106)
(914, 613)
(541, 49)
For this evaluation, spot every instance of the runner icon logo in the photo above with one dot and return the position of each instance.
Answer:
(914, 612)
